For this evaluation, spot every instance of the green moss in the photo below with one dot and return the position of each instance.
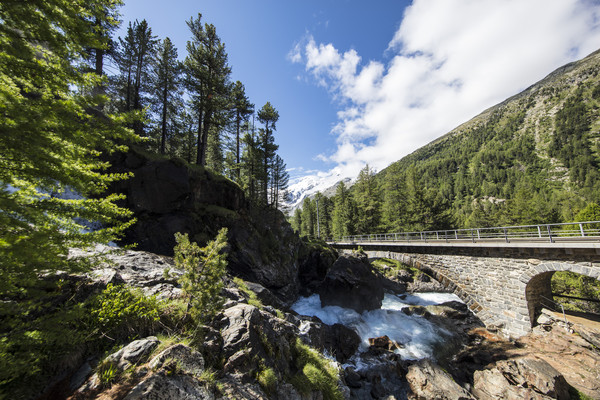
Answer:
(221, 212)
(390, 268)
(577, 395)
(267, 379)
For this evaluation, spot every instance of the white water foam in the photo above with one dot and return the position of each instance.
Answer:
(418, 335)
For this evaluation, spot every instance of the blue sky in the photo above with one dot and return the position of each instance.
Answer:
(360, 82)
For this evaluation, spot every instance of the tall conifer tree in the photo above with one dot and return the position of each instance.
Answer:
(52, 135)
(166, 87)
(207, 74)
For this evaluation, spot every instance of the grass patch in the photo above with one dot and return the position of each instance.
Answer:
(315, 373)
(267, 379)
(253, 300)
(391, 268)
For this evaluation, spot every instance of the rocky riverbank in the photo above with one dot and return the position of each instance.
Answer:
(258, 349)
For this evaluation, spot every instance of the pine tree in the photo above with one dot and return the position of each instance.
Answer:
(52, 136)
(280, 180)
(297, 220)
(394, 203)
(308, 227)
(251, 161)
(207, 73)
(134, 59)
(267, 115)
(344, 212)
(203, 273)
(242, 109)
(367, 197)
(166, 88)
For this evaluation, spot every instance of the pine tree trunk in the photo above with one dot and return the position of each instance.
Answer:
(205, 128)
(199, 145)
(164, 121)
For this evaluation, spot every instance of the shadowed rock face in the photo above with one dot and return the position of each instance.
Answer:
(352, 283)
(168, 196)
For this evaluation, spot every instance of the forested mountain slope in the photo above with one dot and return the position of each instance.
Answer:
(532, 158)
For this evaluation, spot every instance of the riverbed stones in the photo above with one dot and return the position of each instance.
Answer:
(352, 283)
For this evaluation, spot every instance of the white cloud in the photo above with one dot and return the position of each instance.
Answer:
(450, 60)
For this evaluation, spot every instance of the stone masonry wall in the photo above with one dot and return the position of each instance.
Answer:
(505, 293)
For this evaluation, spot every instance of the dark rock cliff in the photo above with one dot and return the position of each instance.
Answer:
(169, 196)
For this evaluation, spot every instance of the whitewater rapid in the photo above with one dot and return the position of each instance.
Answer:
(418, 335)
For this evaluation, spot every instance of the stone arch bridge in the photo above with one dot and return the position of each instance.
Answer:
(503, 282)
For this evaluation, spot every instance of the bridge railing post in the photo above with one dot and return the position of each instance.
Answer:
(550, 233)
(505, 235)
(581, 230)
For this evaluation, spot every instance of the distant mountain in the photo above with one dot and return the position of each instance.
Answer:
(534, 157)
(308, 186)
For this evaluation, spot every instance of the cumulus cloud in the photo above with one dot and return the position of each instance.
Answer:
(448, 61)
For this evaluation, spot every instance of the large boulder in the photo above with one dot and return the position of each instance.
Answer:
(352, 283)
(168, 196)
(251, 336)
(520, 377)
(313, 264)
(428, 381)
(337, 339)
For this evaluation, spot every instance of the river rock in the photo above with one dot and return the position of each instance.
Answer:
(251, 336)
(428, 381)
(134, 353)
(521, 377)
(189, 361)
(384, 343)
(168, 386)
(313, 266)
(352, 283)
(135, 269)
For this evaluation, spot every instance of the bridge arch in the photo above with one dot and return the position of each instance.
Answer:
(538, 289)
(430, 269)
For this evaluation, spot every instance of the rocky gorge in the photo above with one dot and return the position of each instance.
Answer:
(259, 347)
(250, 337)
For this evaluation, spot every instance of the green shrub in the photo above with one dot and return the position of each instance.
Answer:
(202, 279)
(108, 373)
(119, 312)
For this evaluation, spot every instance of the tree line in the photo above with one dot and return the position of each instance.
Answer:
(193, 110)
(497, 172)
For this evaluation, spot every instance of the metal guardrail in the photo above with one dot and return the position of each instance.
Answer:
(573, 231)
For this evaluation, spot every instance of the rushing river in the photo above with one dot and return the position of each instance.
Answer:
(418, 335)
